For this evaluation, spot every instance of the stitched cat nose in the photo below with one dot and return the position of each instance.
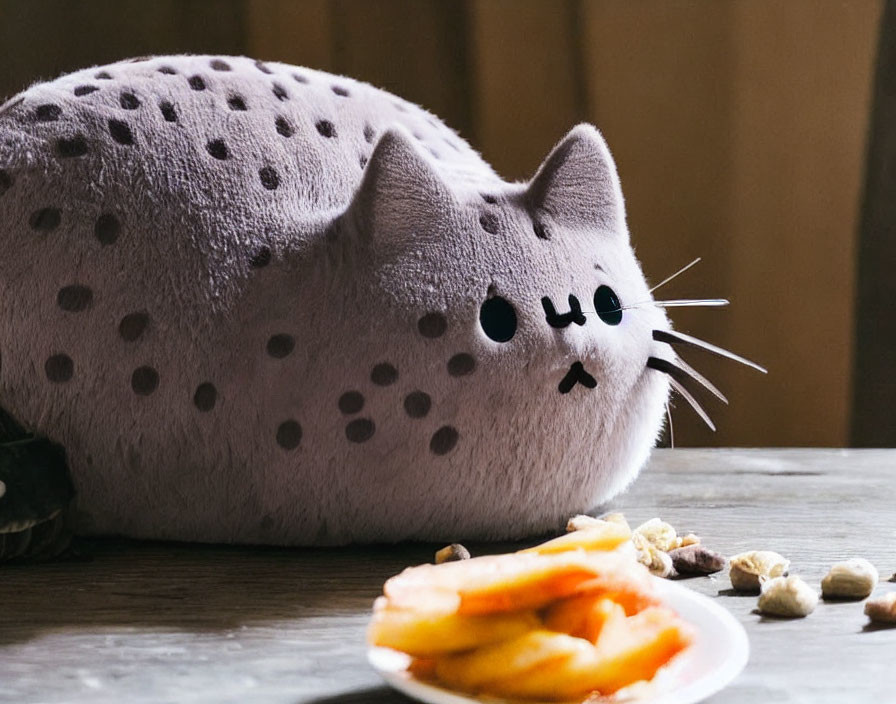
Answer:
(557, 320)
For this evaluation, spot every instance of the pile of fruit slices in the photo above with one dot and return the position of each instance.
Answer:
(571, 617)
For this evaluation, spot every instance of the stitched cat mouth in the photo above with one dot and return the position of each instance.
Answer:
(576, 375)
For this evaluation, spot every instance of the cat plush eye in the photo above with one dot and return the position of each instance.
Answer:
(498, 319)
(607, 305)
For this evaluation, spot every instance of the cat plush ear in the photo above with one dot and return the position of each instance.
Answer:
(401, 193)
(577, 185)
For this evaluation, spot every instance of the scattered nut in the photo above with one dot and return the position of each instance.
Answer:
(661, 565)
(689, 539)
(882, 609)
(787, 596)
(659, 533)
(658, 562)
(583, 522)
(852, 579)
(748, 567)
(452, 553)
(696, 559)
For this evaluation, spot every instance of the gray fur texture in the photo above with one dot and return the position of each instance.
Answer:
(246, 299)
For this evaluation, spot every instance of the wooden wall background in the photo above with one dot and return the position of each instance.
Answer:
(739, 128)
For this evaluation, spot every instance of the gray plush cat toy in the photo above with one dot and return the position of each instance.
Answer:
(255, 303)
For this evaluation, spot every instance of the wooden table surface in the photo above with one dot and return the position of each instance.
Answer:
(170, 623)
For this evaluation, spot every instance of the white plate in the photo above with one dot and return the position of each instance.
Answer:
(720, 651)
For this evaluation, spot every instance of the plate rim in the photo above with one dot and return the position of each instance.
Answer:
(706, 685)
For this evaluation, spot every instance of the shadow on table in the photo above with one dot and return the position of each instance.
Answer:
(131, 584)
(146, 585)
(373, 695)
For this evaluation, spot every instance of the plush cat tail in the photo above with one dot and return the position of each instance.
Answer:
(577, 185)
(400, 192)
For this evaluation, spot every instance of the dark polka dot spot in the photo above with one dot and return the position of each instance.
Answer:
(205, 397)
(47, 113)
(417, 404)
(129, 101)
(299, 78)
(261, 67)
(283, 127)
(362, 162)
(280, 92)
(351, 402)
(106, 229)
(219, 65)
(5, 181)
(59, 368)
(289, 435)
(384, 374)
(281, 345)
(85, 90)
(488, 198)
(71, 147)
(369, 133)
(235, 102)
(167, 70)
(217, 149)
(144, 381)
(197, 82)
(133, 325)
(489, 223)
(261, 257)
(360, 430)
(121, 132)
(432, 325)
(168, 111)
(541, 232)
(443, 440)
(461, 364)
(75, 298)
(103, 76)
(340, 91)
(326, 128)
(270, 179)
(45, 219)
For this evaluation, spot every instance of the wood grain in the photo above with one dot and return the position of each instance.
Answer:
(798, 144)
(299, 33)
(528, 92)
(41, 39)
(874, 385)
(151, 622)
(739, 133)
(414, 49)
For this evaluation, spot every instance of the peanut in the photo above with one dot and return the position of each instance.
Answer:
(658, 533)
(882, 609)
(452, 553)
(787, 596)
(852, 579)
(658, 562)
(748, 567)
